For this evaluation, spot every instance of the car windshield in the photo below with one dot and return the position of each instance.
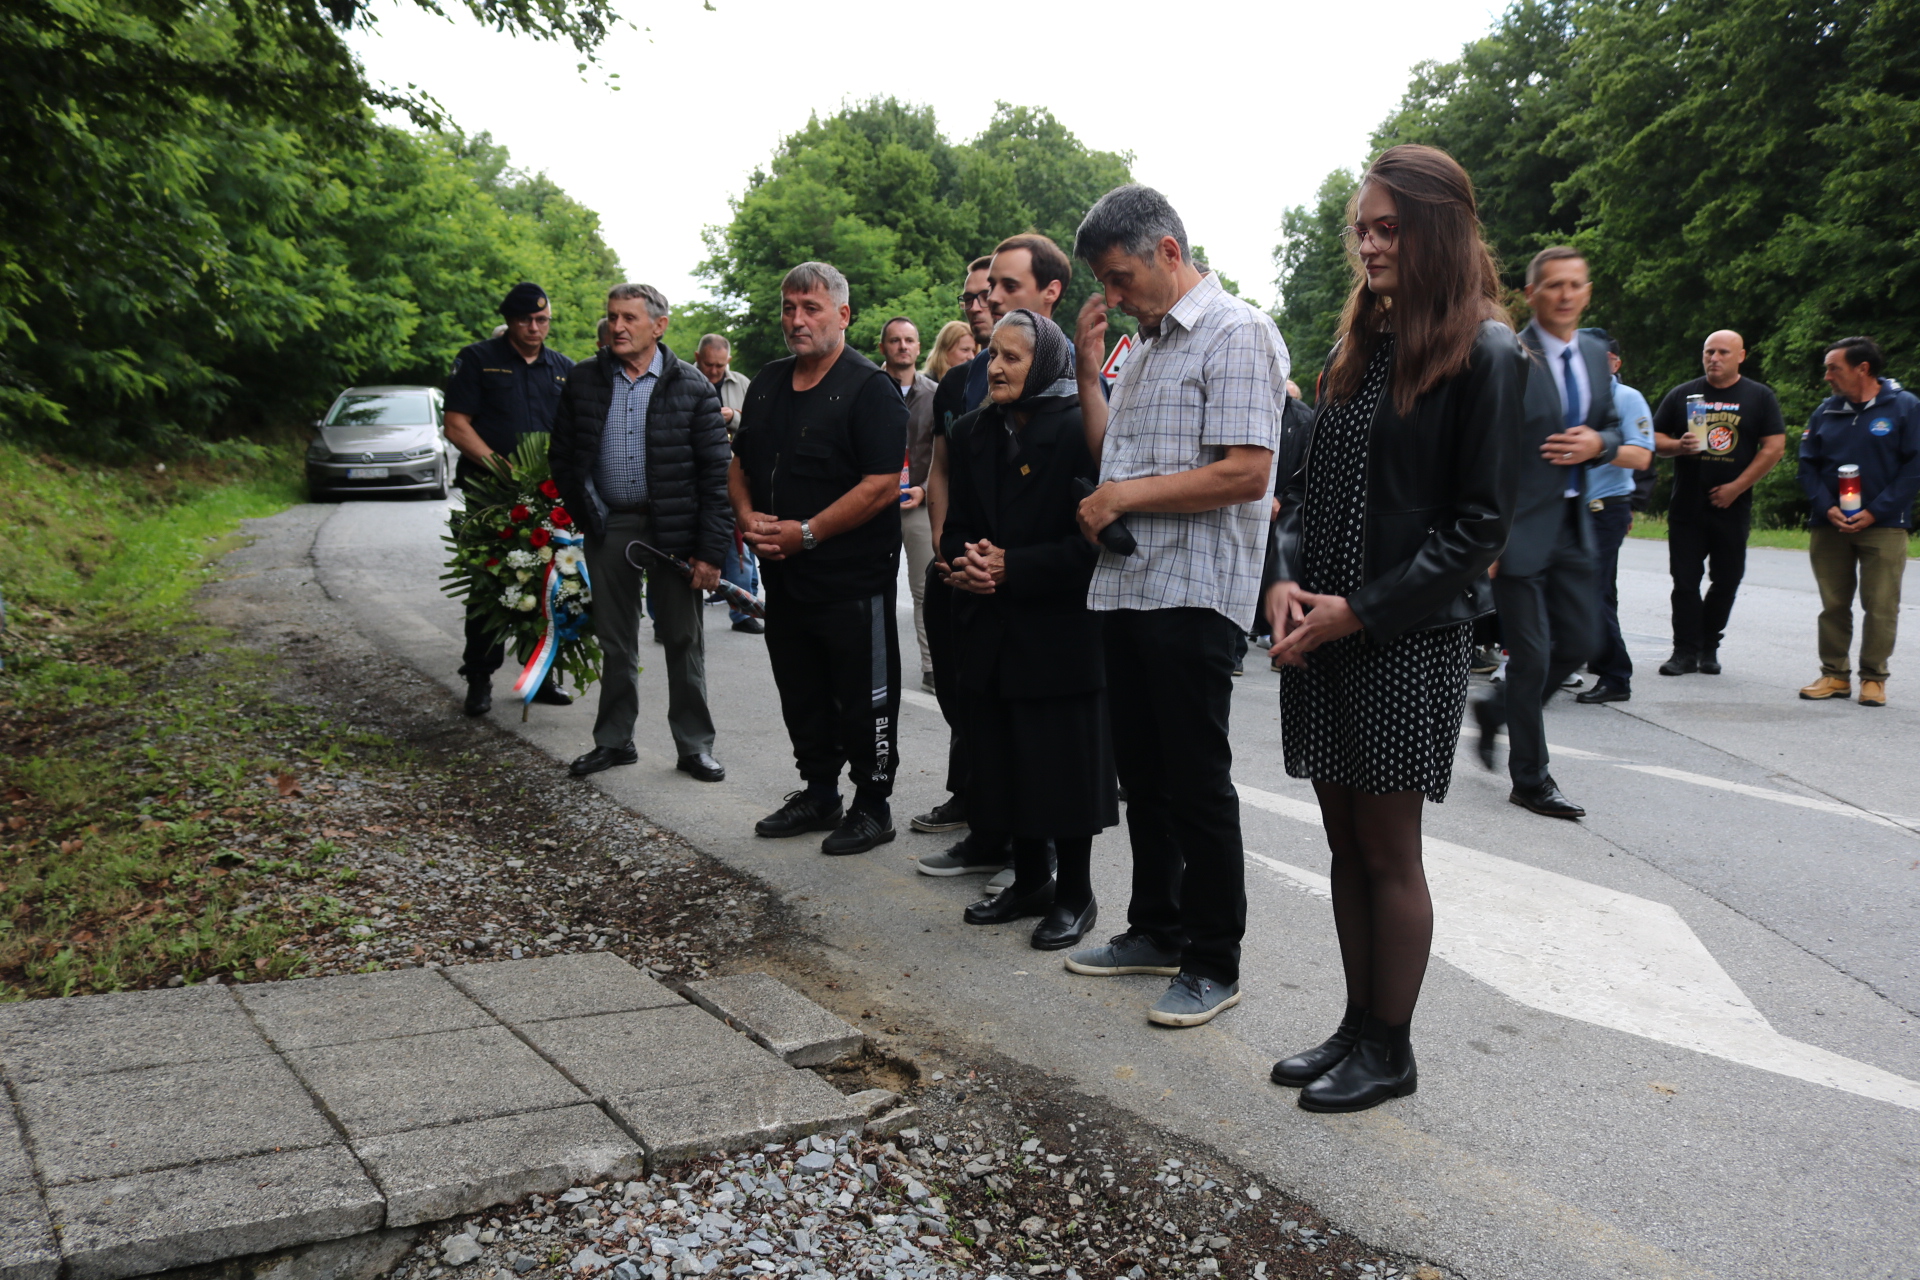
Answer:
(382, 409)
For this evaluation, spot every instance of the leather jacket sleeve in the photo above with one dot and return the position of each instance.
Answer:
(712, 454)
(1470, 532)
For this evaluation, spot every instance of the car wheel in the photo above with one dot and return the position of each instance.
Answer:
(440, 482)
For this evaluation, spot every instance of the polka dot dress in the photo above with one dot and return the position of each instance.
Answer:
(1374, 719)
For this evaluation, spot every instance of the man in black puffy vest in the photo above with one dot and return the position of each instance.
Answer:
(640, 452)
(815, 486)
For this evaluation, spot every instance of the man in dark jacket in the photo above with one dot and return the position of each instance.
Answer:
(1870, 423)
(640, 453)
(815, 484)
(1544, 587)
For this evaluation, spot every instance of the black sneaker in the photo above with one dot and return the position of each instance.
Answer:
(479, 697)
(965, 858)
(859, 831)
(801, 813)
(1710, 662)
(1681, 664)
(950, 816)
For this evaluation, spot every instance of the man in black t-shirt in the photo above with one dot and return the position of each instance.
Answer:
(1715, 466)
(815, 487)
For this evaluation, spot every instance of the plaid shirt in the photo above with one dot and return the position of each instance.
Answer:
(621, 476)
(1214, 376)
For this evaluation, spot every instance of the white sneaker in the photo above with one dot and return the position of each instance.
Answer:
(1000, 882)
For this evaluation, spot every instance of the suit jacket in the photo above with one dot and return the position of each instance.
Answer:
(1034, 637)
(1540, 504)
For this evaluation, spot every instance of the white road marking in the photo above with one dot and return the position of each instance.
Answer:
(1597, 955)
(1766, 793)
(920, 698)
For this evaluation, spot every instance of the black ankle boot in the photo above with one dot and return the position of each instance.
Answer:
(1380, 1066)
(1303, 1069)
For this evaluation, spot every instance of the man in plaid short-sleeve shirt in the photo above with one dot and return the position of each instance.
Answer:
(1186, 453)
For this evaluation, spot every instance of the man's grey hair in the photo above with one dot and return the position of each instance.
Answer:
(1133, 219)
(714, 340)
(600, 330)
(809, 276)
(656, 301)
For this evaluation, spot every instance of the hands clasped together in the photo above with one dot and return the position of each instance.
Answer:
(1303, 621)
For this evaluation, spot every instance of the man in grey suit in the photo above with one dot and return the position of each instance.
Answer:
(1543, 584)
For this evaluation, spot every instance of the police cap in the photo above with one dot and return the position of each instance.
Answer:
(523, 299)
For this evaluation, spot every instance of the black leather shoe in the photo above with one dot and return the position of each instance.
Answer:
(603, 758)
(1061, 927)
(799, 814)
(1487, 714)
(1380, 1066)
(751, 626)
(1546, 801)
(702, 766)
(1604, 693)
(1681, 664)
(1010, 906)
(1302, 1069)
(949, 816)
(1710, 663)
(859, 831)
(550, 694)
(479, 697)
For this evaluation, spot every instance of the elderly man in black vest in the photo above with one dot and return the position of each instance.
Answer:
(815, 486)
(639, 451)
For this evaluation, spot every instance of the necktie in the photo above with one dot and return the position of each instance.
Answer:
(1571, 399)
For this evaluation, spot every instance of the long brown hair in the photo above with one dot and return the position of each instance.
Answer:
(1449, 283)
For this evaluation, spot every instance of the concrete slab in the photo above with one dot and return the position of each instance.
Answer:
(387, 1086)
(688, 1120)
(778, 1017)
(574, 986)
(16, 1170)
(364, 1006)
(621, 1053)
(27, 1247)
(429, 1174)
(151, 1222)
(91, 1035)
(136, 1121)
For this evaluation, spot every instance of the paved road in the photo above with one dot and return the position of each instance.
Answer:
(1675, 1039)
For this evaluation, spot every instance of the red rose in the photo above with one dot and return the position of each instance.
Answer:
(540, 538)
(493, 562)
(518, 514)
(549, 489)
(560, 517)
(506, 533)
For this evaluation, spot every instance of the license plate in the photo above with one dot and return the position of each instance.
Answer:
(366, 473)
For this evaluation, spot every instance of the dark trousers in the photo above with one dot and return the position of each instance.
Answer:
(675, 606)
(938, 613)
(837, 666)
(1714, 543)
(1170, 692)
(1549, 622)
(484, 653)
(1610, 660)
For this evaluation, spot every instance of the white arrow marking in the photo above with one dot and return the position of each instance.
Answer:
(1600, 956)
(1764, 793)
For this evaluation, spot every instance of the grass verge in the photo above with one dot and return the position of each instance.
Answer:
(1646, 526)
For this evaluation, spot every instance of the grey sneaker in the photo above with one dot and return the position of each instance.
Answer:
(1191, 1000)
(1124, 953)
(1000, 881)
(962, 859)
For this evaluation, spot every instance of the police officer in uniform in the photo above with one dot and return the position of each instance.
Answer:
(500, 390)
(815, 486)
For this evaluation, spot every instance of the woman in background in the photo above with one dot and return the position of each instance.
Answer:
(952, 346)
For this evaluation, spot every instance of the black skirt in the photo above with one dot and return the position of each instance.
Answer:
(1041, 766)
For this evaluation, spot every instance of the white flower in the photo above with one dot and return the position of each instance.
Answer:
(510, 598)
(546, 554)
(569, 587)
(568, 558)
(522, 576)
(525, 604)
(520, 558)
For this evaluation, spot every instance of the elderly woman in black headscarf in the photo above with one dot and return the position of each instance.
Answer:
(1031, 677)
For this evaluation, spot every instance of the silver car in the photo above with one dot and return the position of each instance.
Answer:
(380, 439)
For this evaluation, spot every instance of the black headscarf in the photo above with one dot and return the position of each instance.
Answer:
(1051, 373)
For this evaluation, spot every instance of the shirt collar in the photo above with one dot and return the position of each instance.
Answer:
(1553, 346)
(653, 369)
(1192, 305)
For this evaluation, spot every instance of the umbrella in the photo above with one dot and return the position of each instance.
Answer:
(739, 597)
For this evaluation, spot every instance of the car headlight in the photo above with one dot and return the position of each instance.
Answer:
(318, 451)
(424, 451)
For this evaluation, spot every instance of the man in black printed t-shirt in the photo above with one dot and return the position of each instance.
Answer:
(1715, 467)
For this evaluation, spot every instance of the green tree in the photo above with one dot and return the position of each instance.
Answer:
(1314, 275)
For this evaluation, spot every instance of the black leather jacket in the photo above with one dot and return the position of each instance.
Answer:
(1440, 494)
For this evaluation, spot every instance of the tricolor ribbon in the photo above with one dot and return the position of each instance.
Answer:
(560, 626)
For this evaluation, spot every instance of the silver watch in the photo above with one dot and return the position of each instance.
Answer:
(807, 542)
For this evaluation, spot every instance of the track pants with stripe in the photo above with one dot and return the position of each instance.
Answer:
(837, 666)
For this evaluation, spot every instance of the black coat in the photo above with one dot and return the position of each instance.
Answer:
(1034, 637)
(1540, 502)
(1440, 494)
(687, 455)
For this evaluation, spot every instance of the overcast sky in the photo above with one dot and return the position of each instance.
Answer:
(1235, 120)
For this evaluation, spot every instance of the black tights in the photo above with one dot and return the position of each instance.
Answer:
(1380, 902)
(1075, 857)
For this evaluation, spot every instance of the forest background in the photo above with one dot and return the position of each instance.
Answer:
(206, 229)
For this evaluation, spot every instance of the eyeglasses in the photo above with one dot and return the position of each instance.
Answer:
(975, 299)
(1380, 235)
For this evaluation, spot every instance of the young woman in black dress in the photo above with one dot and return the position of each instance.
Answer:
(1377, 568)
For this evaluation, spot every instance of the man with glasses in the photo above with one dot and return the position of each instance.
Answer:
(500, 390)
